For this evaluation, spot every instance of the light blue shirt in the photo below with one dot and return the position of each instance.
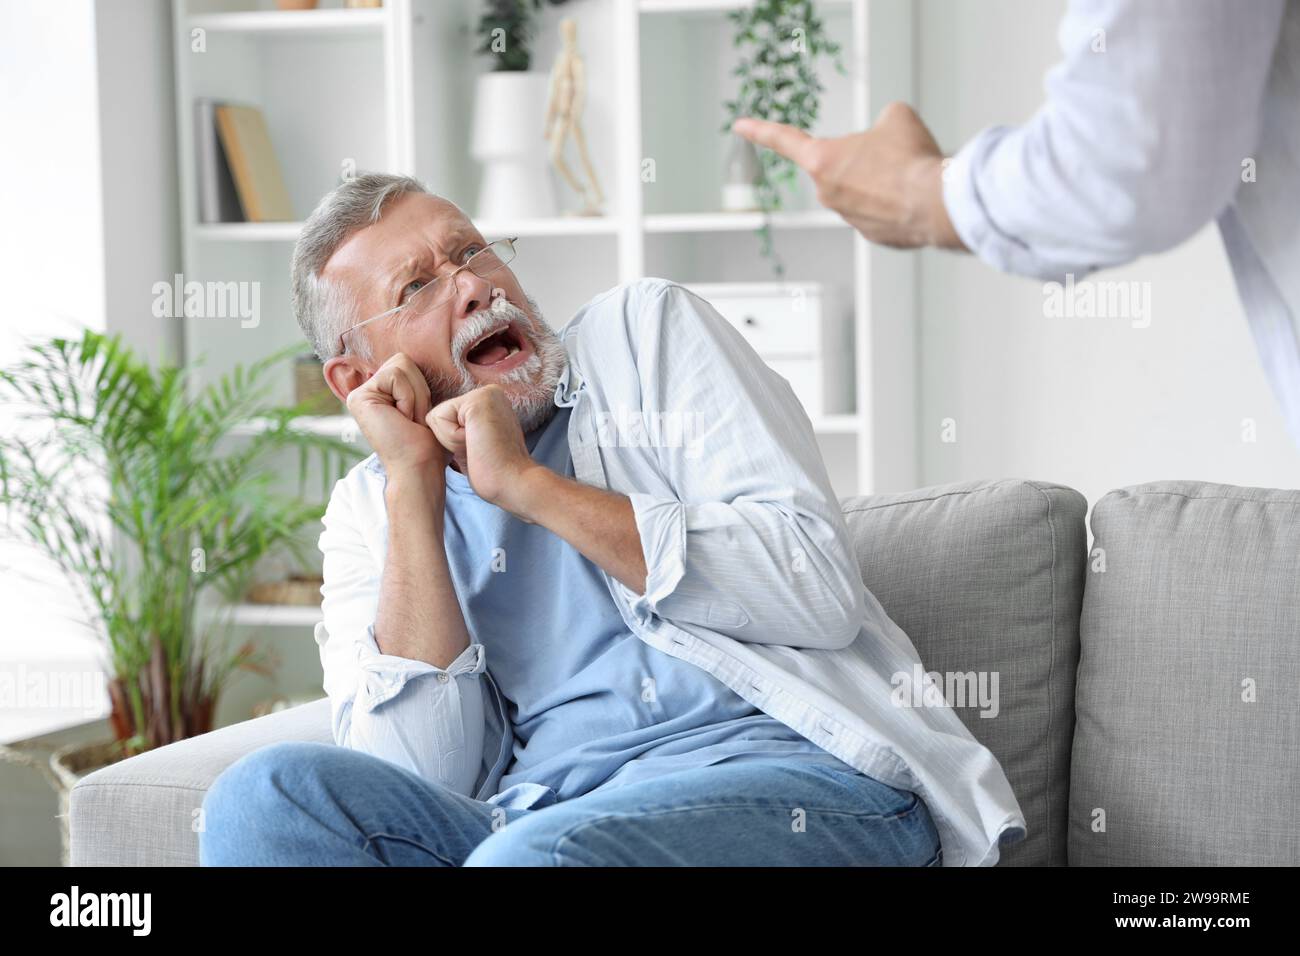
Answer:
(1162, 116)
(751, 578)
(590, 705)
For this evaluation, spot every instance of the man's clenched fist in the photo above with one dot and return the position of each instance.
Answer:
(481, 432)
(390, 410)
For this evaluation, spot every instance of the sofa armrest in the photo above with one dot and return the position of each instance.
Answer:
(144, 811)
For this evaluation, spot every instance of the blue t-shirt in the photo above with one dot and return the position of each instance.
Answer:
(592, 705)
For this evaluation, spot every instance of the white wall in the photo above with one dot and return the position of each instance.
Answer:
(89, 214)
(52, 274)
(1092, 403)
(50, 168)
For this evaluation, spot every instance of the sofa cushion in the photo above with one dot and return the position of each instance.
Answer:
(986, 577)
(1185, 745)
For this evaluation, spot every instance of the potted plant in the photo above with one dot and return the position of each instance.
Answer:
(779, 42)
(150, 501)
(509, 114)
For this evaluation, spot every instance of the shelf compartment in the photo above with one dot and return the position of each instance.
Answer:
(707, 7)
(292, 22)
(742, 221)
(247, 231)
(848, 424)
(334, 426)
(551, 227)
(275, 615)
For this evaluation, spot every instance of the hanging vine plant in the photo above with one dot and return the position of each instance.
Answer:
(779, 43)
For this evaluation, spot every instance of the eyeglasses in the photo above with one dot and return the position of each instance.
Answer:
(439, 290)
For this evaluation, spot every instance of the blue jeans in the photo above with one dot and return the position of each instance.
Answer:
(317, 804)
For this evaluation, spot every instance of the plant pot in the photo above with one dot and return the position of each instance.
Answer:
(509, 114)
(296, 4)
(300, 590)
(741, 177)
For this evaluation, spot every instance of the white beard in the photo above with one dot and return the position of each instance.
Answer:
(530, 385)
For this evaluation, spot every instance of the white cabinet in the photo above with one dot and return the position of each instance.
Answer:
(802, 334)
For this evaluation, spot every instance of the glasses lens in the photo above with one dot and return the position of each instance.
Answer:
(438, 291)
(491, 258)
(431, 295)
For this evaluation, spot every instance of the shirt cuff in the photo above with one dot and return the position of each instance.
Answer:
(661, 523)
(970, 216)
(384, 675)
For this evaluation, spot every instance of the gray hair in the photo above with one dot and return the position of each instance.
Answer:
(322, 308)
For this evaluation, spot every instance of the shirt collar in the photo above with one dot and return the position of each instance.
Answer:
(571, 382)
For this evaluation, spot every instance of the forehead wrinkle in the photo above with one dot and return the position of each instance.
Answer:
(407, 268)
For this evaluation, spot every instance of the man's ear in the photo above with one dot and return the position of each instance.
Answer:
(343, 373)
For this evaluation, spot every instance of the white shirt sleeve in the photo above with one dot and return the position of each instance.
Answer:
(1140, 142)
(751, 542)
(426, 719)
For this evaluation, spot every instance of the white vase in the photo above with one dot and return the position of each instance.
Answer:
(506, 138)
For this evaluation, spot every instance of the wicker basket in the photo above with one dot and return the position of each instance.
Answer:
(65, 767)
(300, 590)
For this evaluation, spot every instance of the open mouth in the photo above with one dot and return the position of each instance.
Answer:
(495, 347)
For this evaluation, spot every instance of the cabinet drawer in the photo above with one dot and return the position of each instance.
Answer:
(806, 378)
(786, 322)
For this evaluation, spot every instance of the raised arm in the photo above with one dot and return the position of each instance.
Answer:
(1139, 143)
(741, 530)
(399, 664)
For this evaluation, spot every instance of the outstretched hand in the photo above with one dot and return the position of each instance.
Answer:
(886, 182)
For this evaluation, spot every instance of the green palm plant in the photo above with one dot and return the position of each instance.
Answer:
(147, 499)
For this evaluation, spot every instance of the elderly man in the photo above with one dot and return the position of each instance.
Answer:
(591, 601)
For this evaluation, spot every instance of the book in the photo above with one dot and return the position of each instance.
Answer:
(247, 144)
(218, 200)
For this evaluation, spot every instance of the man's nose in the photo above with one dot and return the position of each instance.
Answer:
(472, 293)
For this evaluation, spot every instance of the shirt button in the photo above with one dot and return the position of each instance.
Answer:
(444, 678)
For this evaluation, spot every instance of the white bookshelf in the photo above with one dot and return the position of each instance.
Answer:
(393, 88)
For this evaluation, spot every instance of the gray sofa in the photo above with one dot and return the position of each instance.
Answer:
(1148, 689)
